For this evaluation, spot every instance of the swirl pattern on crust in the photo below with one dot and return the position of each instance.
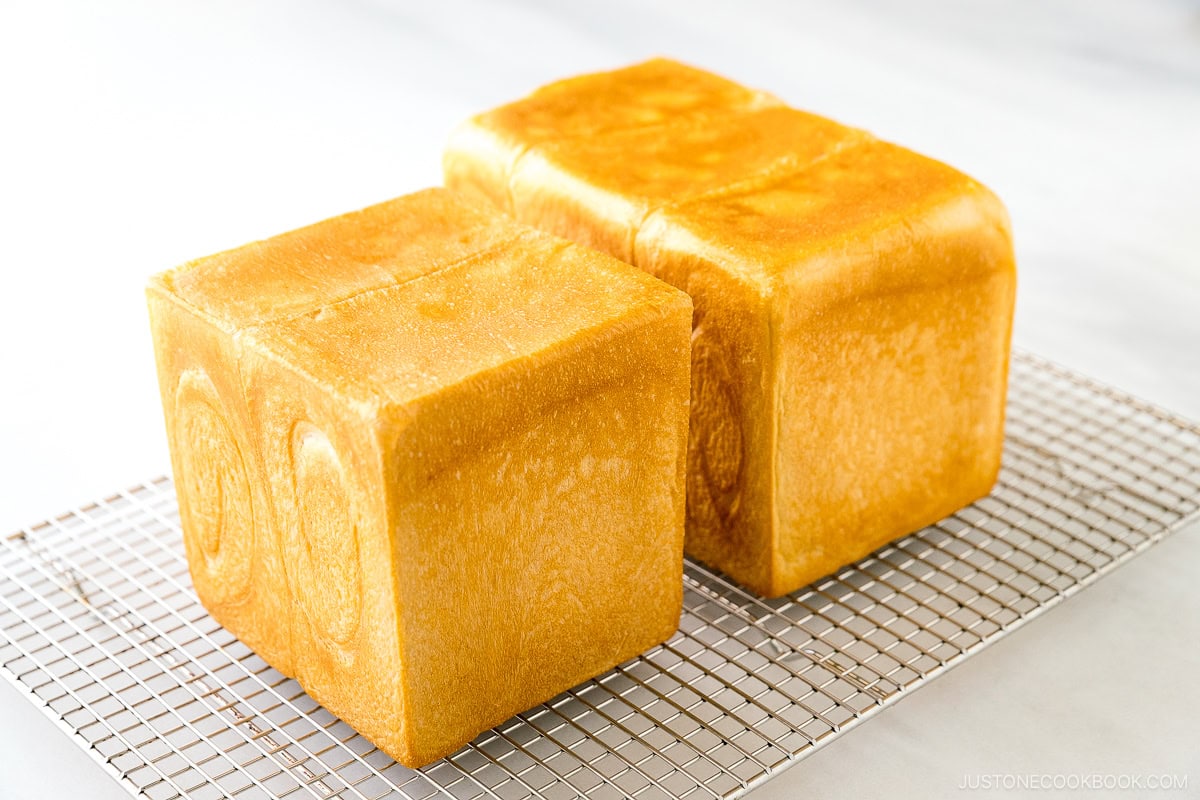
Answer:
(326, 575)
(715, 445)
(215, 496)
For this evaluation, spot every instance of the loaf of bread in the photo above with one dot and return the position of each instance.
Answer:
(853, 301)
(429, 462)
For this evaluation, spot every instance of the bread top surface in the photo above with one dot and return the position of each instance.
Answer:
(694, 157)
(651, 93)
(395, 301)
(866, 196)
(309, 267)
(760, 188)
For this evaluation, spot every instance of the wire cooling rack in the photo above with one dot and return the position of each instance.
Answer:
(99, 626)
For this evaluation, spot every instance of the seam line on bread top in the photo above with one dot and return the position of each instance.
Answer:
(368, 396)
(783, 169)
(759, 101)
(490, 250)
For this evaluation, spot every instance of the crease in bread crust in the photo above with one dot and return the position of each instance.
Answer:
(618, 207)
(368, 403)
(781, 170)
(491, 250)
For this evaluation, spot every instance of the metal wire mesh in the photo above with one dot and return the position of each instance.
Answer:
(100, 627)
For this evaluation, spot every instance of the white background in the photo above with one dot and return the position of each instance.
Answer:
(135, 136)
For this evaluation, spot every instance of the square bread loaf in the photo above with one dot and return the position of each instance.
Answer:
(429, 462)
(853, 301)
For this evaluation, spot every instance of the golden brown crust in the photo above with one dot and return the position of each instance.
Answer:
(836, 280)
(655, 92)
(430, 463)
(312, 266)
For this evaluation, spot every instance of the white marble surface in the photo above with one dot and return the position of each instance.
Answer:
(136, 135)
